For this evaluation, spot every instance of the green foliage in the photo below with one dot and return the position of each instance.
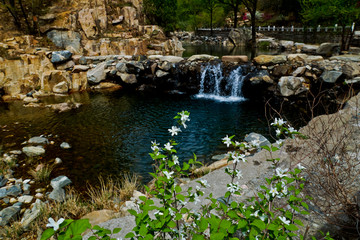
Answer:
(162, 13)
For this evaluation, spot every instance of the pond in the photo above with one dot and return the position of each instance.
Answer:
(111, 132)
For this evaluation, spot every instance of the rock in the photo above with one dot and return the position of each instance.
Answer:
(127, 206)
(202, 57)
(3, 182)
(347, 57)
(137, 194)
(170, 59)
(117, 21)
(61, 87)
(235, 59)
(3, 192)
(282, 70)
(128, 78)
(108, 86)
(270, 59)
(258, 138)
(60, 56)
(65, 145)
(165, 66)
(31, 215)
(68, 40)
(97, 74)
(307, 48)
(30, 100)
(33, 151)
(288, 45)
(351, 69)
(268, 43)
(331, 76)
(160, 73)
(38, 140)
(39, 195)
(135, 67)
(66, 66)
(14, 191)
(8, 214)
(97, 217)
(58, 194)
(311, 59)
(13, 200)
(299, 57)
(129, 14)
(328, 49)
(290, 85)
(25, 199)
(58, 160)
(60, 182)
(299, 71)
(240, 36)
(80, 68)
(16, 152)
(92, 21)
(121, 67)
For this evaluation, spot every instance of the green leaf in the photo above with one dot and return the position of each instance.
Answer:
(130, 235)
(132, 212)
(171, 224)
(242, 223)
(291, 227)
(79, 226)
(203, 224)
(266, 148)
(259, 224)
(273, 227)
(178, 189)
(143, 230)
(198, 237)
(47, 234)
(116, 230)
(305, 205)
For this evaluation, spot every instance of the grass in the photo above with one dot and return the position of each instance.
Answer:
(42, 173)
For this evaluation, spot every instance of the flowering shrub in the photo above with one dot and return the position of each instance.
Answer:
(270, 214)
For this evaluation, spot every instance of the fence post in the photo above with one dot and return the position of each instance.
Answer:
(274, 28)
(269, 28)
(282, 28)
(319, 28)
(335, 28)
(292, 28)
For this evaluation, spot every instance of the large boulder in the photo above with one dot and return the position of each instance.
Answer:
(60, 56)
(202, 57)
(351, 69)
(61, 87)
(328, 49)
(331, 76)
(240, 36)
(93, 21)
(128, 78)
(235, 58)
(97, 74)
(68, 40)
(60, 182)
(289, 85)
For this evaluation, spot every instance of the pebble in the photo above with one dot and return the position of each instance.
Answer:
(39, 195)
(40, 190)
(58, 160)
(65, 145)
(25, 199)
(13, 200)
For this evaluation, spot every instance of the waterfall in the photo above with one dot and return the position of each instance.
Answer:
(213, 85)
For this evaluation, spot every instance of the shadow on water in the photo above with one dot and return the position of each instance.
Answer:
(112, 132)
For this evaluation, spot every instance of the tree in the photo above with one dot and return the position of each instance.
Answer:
(162, 13)
(188, 13)
(251, 6)
(210, 6)
(330, 12)
(234, 5)
(25, 12)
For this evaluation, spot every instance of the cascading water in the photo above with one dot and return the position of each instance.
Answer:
(212, 80)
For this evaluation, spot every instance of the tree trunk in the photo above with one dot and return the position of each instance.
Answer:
(253, 28)
(343, 38)
(26, 17)
(236, 9)
(211, 22)
(13, 14)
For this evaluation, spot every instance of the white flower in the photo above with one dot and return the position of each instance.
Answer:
(54, 224)
(174, 130)
(263, 218)
(255, 143)
(283, 219)
(238, 174)
(284, 190)
(168, 174)
(184, 116)
(172, 213)
(273, 192)
(196, 199)
(255, 214)
(279, 142)
(299, 166)
(278, 132)
(237, 143)
(204, 183)
(158, 213)
(176, 160)
(168, 146)
(281, 172)
(278, 122)
(233, 187)
(227, 141)
(291, 130)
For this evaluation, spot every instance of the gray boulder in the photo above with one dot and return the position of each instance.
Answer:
(60, 182)
(328, 49)
(128, 78)
(31, 215)
(97, 74)
(60, 56)
(14, 191)
(121, 67)
(351, 69)
(66, 39)
(33, 151)
(331, 76)
(160, 73)
(38, 140)
(3, 192)
(58, 194)
(3, 181)
(8, 214)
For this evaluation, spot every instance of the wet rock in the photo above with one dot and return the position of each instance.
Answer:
(33, 151)
(108, 86)
(165, 66)
(351, 69)
(58, 194)
(60, 56)
(80, 68)
(331, 76)
(97, 74)
(64, 107)
(30, 100)
(38, 140)
(8, 214)
(135, 67)
(121, 67)
(160, 73)
(65, 145)
(282, 70)
(61, 87)
(31, 215)
(290, 85)
(171, 59)
(58, 160)
(60, 182)
(240, 36)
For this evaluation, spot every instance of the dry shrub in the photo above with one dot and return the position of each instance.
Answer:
(42, 172)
